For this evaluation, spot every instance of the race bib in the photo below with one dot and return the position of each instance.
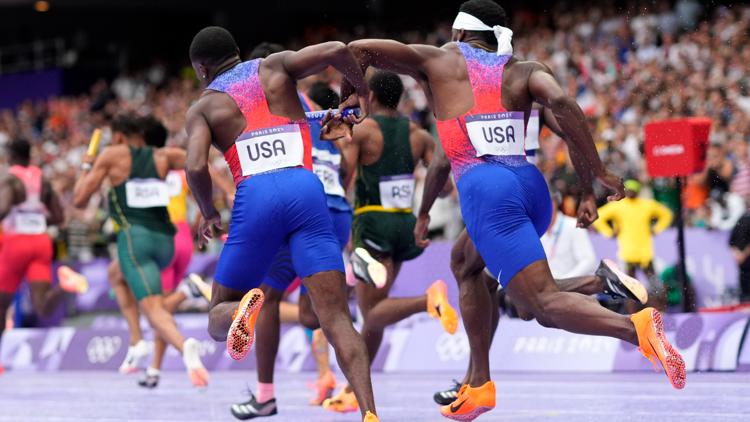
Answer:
(146, 193)
(397, 191)
(30, 222)
(270, 149)
(329, 176)
(174, 183)
(496, 133)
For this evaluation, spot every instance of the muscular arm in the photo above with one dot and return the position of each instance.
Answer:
(52, 201)
(91, 181)
(581, 165)
(176, 157)
(427, 143)
(196, 165)
(315, 58)
(406, 59)
(572, 123)
(11, 194)
(435, 181)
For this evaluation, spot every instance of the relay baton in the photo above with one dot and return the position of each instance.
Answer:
(96, 137)
(319, 115)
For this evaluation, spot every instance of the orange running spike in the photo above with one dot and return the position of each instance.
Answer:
(654, 345)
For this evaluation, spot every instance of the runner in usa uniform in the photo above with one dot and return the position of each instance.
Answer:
(145, 241)
(27, 205)
(251, 112)
(327, 163)
(477, 286)
(481, 97)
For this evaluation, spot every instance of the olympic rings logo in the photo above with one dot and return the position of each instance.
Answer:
(101, 349)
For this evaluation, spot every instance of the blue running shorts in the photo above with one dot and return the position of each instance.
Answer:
(285, 208)
(506, 210)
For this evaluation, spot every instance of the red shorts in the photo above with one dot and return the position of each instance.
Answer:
(24, 255)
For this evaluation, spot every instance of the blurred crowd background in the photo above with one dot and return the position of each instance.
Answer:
(626, 63)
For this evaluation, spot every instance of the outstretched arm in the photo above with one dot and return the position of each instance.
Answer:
(90, 181)
(435, 182)
(198, 175)
(315, 58)
(572, 123)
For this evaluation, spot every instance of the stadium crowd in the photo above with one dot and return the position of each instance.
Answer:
(625, 67)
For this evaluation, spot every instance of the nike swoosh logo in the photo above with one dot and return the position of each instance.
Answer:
(455, 409)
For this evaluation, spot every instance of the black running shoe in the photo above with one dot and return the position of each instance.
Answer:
(252, 409)
(149, 381)
(620, 285)
(448, 396)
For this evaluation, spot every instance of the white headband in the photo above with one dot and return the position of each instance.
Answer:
(504, 35)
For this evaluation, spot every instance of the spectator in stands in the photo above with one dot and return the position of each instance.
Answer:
(632, 221)
(568, 248)
(739, 241)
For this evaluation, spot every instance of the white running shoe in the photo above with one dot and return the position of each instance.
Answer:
(133, 358)
(367, 268)
(191, 356)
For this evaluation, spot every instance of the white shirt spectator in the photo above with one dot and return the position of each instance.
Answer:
(568, 248)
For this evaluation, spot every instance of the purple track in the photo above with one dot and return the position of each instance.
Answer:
(100, 396)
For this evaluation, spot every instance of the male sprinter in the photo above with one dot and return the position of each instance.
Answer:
(145, 242)
(27, 205)
(477, 286)
(482, 97)
(327, 163)
(385, 149)
(251, 112)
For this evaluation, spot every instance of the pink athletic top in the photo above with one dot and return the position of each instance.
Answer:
(29, 217)
(268, 142)
(488, 133)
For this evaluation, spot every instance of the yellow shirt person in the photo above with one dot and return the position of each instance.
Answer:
(632, 221)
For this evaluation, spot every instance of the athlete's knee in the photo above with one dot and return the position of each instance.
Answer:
(307, 316)
(215, 328)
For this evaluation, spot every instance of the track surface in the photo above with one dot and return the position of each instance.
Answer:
(100, 396)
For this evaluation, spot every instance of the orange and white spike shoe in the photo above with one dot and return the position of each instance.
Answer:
(71, 281)
(370, 417)
(191, 357)
(655, 347)
(324, 387)
(439, 308)
(342, 402)
(242, 331)
(471, 402)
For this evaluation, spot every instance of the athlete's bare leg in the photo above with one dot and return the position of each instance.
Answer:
(380, 311)
(171, 302)
(6, 299)
(477, 302)
(45, 297)
(162, 321)
(534, 290)
(126, 302)
(267, 334)
(328, 295)
(288, 312)
(224, 301)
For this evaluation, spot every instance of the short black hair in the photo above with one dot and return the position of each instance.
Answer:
(265, 49)
(212, 45)
(490, 13)
(19, 150)
(387, 88)
(323, 95)
(154, 132)
(127, 124)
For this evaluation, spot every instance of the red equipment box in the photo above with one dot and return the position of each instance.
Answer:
(676, 147)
